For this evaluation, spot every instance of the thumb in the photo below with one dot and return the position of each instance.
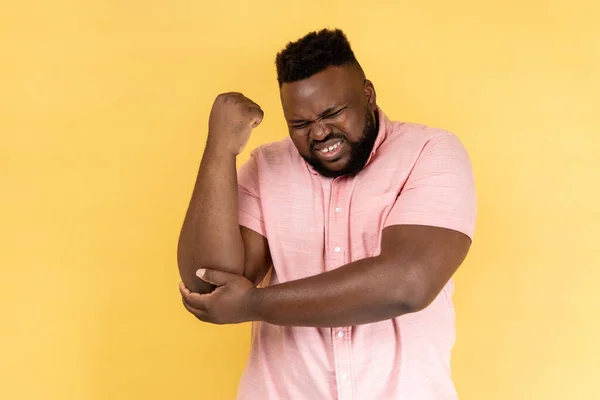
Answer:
(213, 276)
(258, 119)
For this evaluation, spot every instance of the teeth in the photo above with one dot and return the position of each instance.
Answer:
(331, 148)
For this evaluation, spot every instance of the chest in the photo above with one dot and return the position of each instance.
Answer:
(321, 224)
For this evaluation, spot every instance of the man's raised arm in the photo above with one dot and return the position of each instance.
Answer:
(210, 236)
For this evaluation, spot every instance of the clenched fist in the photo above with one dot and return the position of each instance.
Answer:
(232, 118)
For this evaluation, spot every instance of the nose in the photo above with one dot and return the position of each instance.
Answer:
(320, 130)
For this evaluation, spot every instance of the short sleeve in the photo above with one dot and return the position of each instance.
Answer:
(249, 207)
(440, 190)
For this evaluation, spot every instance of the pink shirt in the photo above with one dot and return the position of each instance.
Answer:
(415, 175)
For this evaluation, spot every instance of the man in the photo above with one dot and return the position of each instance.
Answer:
(358, 224)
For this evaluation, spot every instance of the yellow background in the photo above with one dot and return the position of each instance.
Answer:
(103, 117)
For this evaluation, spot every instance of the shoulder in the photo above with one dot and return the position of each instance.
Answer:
(418, 137)
(410, 144)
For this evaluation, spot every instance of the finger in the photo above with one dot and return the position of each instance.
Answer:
(214, 276)
(258, 119)
(183, 289)
(200, 314)
(196, 300)
(257, 114)
(254, 109)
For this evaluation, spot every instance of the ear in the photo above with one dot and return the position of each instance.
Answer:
(370, 95)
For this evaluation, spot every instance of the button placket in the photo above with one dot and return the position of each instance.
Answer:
(338, 243)
(336, 220)
(342, 353)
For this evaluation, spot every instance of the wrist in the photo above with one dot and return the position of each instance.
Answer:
(219, 149)
(254, 304)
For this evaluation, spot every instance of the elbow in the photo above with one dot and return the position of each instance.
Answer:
(413, 305)
(188, 266)
(408, 289)
(187, 273)
(412, 296)
(188, 263)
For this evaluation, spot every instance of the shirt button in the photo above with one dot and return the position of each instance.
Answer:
(340, 334)
(344, 376)
(338, 210)
(337, 249)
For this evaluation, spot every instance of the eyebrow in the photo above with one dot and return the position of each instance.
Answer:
(327, 111)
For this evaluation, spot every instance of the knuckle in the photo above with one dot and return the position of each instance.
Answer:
(226, 96)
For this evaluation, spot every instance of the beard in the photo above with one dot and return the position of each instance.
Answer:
(359, 151)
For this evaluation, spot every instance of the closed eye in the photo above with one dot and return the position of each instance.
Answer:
(335, 114)
(300, 126)
(303, 125)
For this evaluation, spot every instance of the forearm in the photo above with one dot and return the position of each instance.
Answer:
(364, 291)
(210, 236)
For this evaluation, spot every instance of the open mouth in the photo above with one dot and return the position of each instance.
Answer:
(331, 151)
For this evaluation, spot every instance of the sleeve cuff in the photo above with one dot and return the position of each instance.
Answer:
(252, 222)
(455, 224)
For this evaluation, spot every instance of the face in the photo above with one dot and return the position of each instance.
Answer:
(331, 118)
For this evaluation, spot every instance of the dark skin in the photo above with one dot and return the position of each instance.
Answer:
(317, 118)
(210, 234)
(414, 264)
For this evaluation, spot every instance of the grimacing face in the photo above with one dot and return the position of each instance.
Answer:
(332, 119)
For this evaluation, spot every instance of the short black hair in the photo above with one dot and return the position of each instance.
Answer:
(312, 54)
